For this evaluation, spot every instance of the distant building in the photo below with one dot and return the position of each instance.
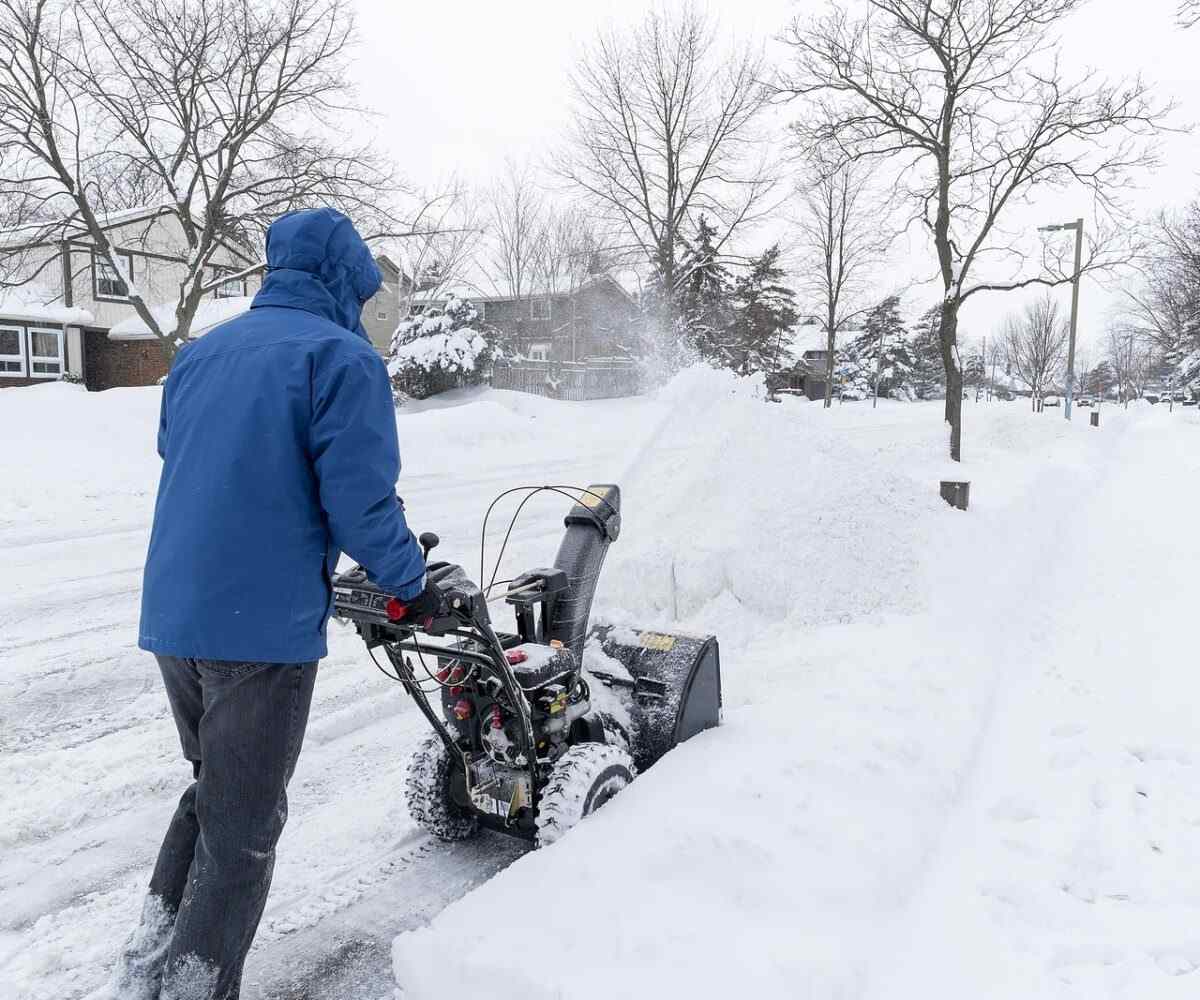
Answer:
(810, 348)
(597, 320)
(59, 324)
(381, 315)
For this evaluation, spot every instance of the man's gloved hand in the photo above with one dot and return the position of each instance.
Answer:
(428, 604)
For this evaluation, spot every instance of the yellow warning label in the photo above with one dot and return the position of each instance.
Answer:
(656, 641)
(593, 499)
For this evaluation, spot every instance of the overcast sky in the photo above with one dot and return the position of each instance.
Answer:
(461, 85)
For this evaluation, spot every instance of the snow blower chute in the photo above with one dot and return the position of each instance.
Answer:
(527, 738)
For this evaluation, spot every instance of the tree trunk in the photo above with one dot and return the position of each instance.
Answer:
(954, 379)
(830, 345)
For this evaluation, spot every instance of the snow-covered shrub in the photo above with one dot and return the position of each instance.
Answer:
(440, 350)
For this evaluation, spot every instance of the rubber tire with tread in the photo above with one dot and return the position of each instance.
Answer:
(582, 780)
(427, 790)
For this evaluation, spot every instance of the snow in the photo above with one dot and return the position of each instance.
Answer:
(958, 753)
(454, 352)
(210, 313)
(956, 758)
(34, 304)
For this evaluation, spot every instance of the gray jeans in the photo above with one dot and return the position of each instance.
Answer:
(241, 726)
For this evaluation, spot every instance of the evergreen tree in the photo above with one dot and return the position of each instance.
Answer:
(440, 349)
(929, 374)
(703, 311)
(860, 360)
(764, 310)
(974, 369)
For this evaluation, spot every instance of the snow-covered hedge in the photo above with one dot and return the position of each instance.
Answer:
(440, 349)
(459, 351)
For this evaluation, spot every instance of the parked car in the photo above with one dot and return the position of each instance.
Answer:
(1085, 401)
(1052, 401)
(851, 396)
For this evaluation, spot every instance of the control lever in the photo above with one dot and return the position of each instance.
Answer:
(428, 541)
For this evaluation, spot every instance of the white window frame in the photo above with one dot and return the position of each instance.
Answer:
(19, 357)
(224, 291)
(60, 360)
(481, 308)
(98, 261)
(381, 314)
(533, 308)
(540, 350)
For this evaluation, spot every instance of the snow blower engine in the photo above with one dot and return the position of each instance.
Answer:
(525, 739)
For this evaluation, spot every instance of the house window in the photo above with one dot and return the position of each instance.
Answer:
(12, 356)
(234, 288)
(45, 353)
(381, 314)
(110, 284)
(481, 308)
(539, 308)
(539, 351)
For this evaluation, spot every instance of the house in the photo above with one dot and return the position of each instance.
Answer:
(598, 319)
(382, 314)
(60, 323)
(75, 318)
(810, 346)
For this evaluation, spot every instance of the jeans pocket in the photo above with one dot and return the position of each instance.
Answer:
(231, 668)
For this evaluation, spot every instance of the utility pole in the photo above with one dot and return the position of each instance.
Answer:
(1077, 225)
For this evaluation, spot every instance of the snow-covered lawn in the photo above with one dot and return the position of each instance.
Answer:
(959, 756)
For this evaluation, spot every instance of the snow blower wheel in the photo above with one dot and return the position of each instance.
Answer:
(535, 728)
(581, 781)
(430, 792)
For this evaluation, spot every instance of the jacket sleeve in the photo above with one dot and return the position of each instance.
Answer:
(356, 456)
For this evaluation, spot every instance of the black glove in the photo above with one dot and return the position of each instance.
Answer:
(430, 603)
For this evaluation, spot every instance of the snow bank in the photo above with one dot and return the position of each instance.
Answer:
(863, 630)
(783, 508)
(211, 313)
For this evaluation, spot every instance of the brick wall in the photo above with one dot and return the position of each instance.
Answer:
(108, 363)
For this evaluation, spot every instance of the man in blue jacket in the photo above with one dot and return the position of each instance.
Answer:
(278, 439)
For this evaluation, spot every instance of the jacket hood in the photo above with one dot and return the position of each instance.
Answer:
(316, 261)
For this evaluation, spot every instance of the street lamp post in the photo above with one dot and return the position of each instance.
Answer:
(1077, 225)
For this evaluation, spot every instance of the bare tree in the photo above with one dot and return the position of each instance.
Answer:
(1035, 343)
(662, 131)
(1188, 13)
(225, 112)
(1129, 359)
(516, 216)
(841, 235)
(448, 225)
(967, 99)
(1163, 310)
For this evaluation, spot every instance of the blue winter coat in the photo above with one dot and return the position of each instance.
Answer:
(278, 438)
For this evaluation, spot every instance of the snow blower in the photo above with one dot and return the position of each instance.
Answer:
(525, 739)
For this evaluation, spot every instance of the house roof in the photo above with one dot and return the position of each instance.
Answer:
(49, 231)
(468, 290)
(212, 312)
(29, 303)
(67, 227)
(810, 337)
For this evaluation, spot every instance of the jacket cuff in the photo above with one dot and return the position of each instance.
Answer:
(411, 590)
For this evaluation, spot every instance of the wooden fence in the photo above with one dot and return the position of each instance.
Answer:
(597, 378)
